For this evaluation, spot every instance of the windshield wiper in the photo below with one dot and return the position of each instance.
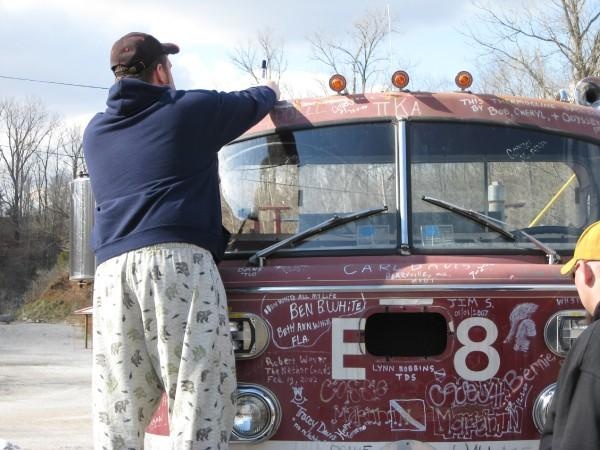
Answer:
(475, 216)
(335, 221)
(491, 222)
(551, 254)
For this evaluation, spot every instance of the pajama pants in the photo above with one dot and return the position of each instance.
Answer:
(161, 325)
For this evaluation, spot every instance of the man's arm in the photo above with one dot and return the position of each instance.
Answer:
(239, 111)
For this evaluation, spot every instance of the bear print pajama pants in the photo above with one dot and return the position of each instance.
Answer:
(161, 325)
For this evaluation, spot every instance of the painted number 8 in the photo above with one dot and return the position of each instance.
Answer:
(469, 346)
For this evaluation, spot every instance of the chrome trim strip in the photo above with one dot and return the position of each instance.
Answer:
(406, 301)
(407, 444)
(160, 442)
(402, 185)
(403, 288)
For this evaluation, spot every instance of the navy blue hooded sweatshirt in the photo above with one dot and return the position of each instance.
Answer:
(152, 161)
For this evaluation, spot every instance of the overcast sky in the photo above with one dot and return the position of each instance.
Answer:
(69, 41)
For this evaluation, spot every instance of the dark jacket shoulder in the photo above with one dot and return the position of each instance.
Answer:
(573, 421)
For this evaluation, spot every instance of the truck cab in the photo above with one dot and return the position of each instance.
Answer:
(393, 272)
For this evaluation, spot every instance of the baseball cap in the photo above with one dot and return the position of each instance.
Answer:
(587, 248)
(135, 51)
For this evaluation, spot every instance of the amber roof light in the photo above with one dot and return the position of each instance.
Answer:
(463, 79)
(400, 79)
(337, 83)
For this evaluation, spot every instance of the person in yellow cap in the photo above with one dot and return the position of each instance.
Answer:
(573, 420)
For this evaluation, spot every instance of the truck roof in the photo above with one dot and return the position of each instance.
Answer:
(551, 115)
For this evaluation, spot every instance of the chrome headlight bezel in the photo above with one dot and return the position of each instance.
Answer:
(541, 405)
(250, 335)
(553, 330)
(273, 411)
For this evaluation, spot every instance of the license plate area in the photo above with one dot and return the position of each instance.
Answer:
(406, 334)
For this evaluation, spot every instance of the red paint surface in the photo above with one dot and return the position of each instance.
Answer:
(400, 398)
(565, 117)
(405, 398)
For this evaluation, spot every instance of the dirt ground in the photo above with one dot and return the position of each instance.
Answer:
(45, 386)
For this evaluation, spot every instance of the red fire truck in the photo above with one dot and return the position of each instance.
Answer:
(393, 274)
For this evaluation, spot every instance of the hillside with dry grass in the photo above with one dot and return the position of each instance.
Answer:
(53, 298)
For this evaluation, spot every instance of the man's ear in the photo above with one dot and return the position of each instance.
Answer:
(589, 275)
(160, 74)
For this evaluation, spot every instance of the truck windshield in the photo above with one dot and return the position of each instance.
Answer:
(542, 183)
(278, 185)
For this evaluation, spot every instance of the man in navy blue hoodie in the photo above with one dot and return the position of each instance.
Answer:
(160, 312)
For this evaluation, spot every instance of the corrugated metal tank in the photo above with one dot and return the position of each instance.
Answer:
(82, 260)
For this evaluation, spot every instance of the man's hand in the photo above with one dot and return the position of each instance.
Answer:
(273, 85)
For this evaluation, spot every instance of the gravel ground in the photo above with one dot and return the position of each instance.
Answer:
(45, 387)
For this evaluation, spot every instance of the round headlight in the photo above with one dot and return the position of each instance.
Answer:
(258, 414)
(252, 415)
(541, 405)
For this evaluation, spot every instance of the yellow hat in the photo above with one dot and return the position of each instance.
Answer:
(587, 248)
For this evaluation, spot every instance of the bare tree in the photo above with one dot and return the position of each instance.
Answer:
(72, 146)
(50, 184)
(40, 178)
(3, 201)
(49, 214)
(267, 46)
(537, 49)
(359, 59)
(25, 126)
(34, 195)
(57, 162)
